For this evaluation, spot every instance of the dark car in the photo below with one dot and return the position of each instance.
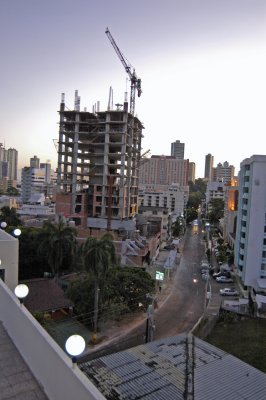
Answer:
(169, 247)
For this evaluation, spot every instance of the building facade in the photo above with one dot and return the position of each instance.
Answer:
(250, 242)
(223, 172)
(172, 198)
(191, 172)
(164, 170)
(230, 212)
(37, 181)
(215, 190)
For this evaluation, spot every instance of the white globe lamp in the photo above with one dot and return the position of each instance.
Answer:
(21, 291)
(75, 345)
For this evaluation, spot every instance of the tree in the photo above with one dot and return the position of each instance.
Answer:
(216, 207)
(12, 191)
(194, 200)
(124, 289)
(191, 214)
(177, 227)
(9, 215)
(199, 186)
(129, 286)
(98, 256)
(31, 264)
(57, 244)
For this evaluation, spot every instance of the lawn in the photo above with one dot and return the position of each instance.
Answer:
(245, 338)
(61, 330)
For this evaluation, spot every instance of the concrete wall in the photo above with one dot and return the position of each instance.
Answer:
(47, 361)
(9, 258)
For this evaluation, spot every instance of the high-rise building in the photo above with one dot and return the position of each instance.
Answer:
(250, 242)
(9, 166)
(35, 162)
(178, 150)
(208, 167)
(223, 172)
(191, 172)
(12, 160)
(164, 170)
(98, 159)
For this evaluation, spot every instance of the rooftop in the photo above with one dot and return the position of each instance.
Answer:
(178, 367)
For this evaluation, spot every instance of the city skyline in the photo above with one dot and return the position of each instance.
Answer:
(201, 63)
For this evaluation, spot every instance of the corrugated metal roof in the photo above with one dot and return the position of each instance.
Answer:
(159, 370)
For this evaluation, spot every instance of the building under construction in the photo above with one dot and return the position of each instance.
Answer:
(98, 160)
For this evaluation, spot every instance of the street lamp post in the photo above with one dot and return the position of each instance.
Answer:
(21, 291)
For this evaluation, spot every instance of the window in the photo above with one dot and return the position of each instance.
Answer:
(264, 254)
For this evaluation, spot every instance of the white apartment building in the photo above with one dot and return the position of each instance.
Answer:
(172, 197)
(37, 180)
(250, 242)
(215, 190)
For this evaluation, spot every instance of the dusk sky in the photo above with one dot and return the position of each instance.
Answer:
(202, 64)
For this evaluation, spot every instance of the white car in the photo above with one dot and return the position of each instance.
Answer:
(229, 292)
(224, 279)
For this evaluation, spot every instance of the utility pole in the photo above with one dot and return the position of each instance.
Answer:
(149, 323)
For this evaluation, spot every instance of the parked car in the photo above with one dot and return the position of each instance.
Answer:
(224, 279)
(229, 292)
(205, 277)
(224, 273)
(204, 271)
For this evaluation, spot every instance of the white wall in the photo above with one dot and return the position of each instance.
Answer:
(9, 258)
(50, 365)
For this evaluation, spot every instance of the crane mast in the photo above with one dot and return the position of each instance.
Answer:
(134, 80)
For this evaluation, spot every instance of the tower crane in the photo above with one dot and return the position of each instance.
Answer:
(135, 81)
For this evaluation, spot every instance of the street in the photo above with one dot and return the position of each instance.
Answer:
(183, 307)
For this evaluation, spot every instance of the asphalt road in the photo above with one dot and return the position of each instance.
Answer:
(183, 307)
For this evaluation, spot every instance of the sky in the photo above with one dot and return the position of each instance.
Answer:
(202, 64)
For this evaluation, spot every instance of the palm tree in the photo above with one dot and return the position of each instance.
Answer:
(57, 242)
(98, 256)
